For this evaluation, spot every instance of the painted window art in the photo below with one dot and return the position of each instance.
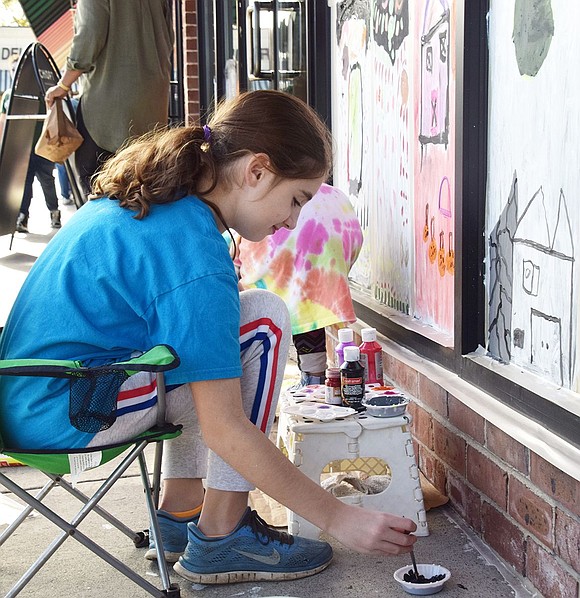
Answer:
(393, 123)
(531, 228)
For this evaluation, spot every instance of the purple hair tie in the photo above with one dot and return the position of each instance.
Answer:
(206, 133)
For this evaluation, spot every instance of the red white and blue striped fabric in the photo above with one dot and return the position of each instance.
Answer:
(268, 335)
(140, 391)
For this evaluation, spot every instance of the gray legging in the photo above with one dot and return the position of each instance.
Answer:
(264, 347)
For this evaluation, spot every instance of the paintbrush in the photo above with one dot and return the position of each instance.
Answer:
(414, 564)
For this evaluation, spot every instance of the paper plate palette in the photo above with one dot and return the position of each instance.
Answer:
(318, 411)
(312, 392)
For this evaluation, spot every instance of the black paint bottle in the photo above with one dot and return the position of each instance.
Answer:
(352, 381)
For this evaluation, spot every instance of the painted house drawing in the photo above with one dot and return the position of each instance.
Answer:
(543, 290)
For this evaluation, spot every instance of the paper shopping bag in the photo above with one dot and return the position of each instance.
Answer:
(59, 138)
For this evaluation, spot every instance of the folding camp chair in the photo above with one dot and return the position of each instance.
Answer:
(93, 395)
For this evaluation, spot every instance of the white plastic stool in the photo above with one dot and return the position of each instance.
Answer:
(311, 446)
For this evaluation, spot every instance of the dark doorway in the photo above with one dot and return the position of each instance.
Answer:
(265, 44)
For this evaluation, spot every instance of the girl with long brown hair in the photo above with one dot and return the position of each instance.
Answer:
(144, 263)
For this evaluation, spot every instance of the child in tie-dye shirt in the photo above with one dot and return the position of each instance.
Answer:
(308, 267)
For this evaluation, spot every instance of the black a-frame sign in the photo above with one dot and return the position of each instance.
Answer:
(35, 73)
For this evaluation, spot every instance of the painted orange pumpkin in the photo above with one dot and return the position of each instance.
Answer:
(432, 245)
(441, 261)
(426, 227)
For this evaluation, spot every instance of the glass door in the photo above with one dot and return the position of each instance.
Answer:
(276, 46)
(265, 44)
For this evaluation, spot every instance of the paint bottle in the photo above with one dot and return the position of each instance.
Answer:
(352, 380)
(332, 394)
(345, 339)
(371, 356)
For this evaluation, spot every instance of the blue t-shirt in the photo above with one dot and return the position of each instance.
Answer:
(108, 285)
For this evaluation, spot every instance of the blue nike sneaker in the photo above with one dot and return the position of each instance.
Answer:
(174, 536)
(252, 552)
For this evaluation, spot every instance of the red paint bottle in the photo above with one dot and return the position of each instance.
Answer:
(371, 356)
(332, 391)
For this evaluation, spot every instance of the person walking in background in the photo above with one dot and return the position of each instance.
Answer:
(308, 267)
(41, 169)
(121, 51)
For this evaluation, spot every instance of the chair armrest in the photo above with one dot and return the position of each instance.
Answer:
(55, 368)
(160, 358)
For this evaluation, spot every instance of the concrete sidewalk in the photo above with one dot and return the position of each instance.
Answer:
(74, 571)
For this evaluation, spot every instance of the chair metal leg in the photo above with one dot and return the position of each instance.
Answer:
(156, 485)
(156, 532)
(65, 485)
(70, 529)
(26, 511)
(161, 421)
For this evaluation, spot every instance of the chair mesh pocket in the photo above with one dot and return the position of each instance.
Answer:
(93, 399)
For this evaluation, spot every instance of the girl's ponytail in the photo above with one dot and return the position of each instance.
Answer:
(159, 167)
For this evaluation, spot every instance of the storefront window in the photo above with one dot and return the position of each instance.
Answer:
(394, 125)
(532, 221)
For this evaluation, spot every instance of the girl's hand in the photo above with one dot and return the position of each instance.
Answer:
(373, 532)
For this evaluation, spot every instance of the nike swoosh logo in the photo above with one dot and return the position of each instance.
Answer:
(268, 559)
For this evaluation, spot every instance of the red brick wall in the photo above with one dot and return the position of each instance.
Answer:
(522, 507)
(191, 62)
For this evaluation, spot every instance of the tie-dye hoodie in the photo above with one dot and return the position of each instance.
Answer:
(308, 267)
